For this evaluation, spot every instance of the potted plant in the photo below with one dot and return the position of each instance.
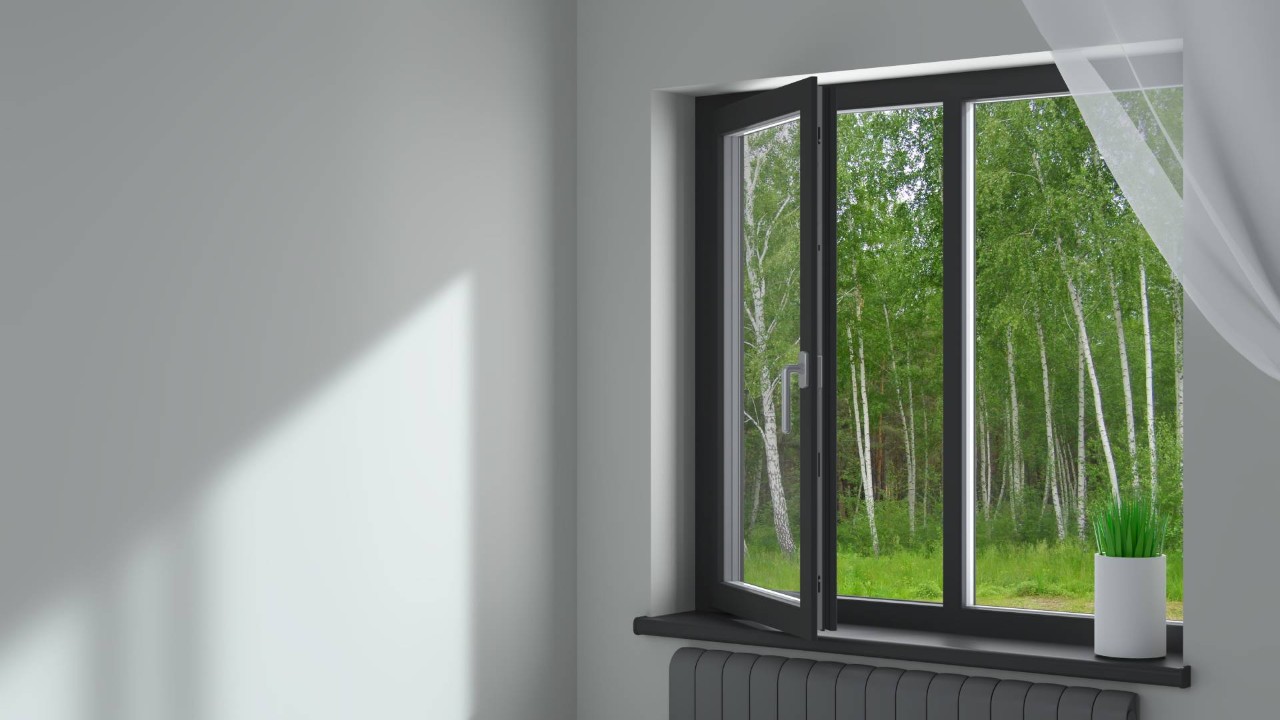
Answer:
(1129, 580)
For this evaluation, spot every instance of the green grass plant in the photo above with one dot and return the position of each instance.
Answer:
(1128, 527)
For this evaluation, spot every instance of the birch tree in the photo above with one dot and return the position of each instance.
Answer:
(1019, 463)
(913, 468)
(1051, 449)
(757, 236)
(1011, 482)
(908, 438)
(858, 401)
(1124, 376)
(983, 456)
(1082, 481)
(868, 480)
(1078, 307)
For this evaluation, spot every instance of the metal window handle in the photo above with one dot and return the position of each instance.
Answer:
(801, 369)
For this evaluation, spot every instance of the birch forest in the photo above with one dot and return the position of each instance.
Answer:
(1077, 354)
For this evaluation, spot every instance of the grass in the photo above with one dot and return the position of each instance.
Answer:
(1129, 527)
(1055, 577)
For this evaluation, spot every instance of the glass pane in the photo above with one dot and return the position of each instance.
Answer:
(768, 528)
(889, 353)
(1078, 358)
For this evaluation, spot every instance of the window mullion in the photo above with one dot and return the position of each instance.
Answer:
(954, 309)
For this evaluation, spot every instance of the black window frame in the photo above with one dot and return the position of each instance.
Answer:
(954, 93)
(737, 113)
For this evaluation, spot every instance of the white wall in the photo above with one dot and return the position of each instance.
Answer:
(286, 388)
(633, 454)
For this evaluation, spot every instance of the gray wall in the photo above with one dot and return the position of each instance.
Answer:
(633, 454)
(286, 388)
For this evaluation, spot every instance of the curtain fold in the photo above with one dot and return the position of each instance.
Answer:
(1183, 100)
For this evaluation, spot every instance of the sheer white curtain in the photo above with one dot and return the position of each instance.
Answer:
(1205, 181)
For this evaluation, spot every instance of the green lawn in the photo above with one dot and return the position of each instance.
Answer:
(1039, 577)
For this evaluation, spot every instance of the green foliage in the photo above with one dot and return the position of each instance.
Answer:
(1129, 527)
(1047, 211)
(1170, 477)
(894, 526)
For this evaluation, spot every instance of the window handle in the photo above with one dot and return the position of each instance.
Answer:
(801, 369)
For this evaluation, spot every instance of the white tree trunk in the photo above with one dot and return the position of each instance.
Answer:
(1066, 476)
(855, 404)
(915, 461)
(1045, 485)
(1128, 385)
(986, 441)
(1082, 482)
(1151, 403)
(754, 251)
(914, 464)
(1011, 479)
(1019, 465)
(781, 520)
(864, 462)
(983, 480)
(1051, 448)
(908, 440)
(869, 478)
(1078, 307)
(1005, 479)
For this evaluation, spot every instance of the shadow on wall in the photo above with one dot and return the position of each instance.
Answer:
(277, 434)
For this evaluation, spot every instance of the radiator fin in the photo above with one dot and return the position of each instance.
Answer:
(680, 695)
(975, 698)
(709, 677)
(1077, 703)
(737, 685)
(821, 691)
(913, 695)
(719, 685)
(764, 687)
(851, 693)
(944, 697)
(1042, 701)
(793, 690)
(882, 694)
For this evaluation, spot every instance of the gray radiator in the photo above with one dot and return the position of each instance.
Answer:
(719, 685)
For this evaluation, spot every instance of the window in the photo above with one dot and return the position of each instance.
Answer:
(931, 334)
(1077, 342)
(888, 353)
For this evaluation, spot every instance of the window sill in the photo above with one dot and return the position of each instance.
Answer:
(920, 646)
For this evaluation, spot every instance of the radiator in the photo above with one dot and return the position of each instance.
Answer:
(719, 685)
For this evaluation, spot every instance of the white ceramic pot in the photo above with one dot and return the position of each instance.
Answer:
(1129, 607)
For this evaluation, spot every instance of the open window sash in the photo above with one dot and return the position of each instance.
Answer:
(763, 161)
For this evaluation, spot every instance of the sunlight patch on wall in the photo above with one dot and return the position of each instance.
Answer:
(326, 575)
(43, 668)
(336, 572)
